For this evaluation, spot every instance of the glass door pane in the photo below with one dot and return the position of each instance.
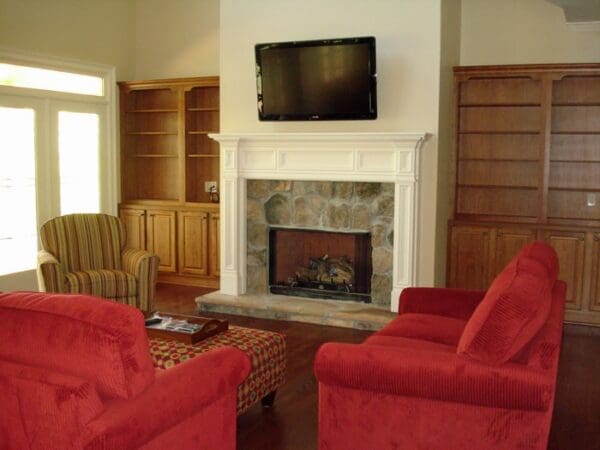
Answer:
(79, 160)
(18, 227)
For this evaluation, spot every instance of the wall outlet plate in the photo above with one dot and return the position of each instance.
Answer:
(210, 186)
(591, 199)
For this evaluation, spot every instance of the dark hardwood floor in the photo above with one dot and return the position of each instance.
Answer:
(292, 423)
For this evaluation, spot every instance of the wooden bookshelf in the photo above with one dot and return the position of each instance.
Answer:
(527, 166)
(166, 159)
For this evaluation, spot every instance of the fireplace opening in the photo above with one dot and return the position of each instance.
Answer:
(320, 264)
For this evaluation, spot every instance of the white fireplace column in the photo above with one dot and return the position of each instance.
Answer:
(353, 157)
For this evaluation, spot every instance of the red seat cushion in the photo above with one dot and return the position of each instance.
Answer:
(513, 310)
(428, 327)
(409, 343)
(79, 335)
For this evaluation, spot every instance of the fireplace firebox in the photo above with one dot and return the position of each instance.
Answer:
(320, 264)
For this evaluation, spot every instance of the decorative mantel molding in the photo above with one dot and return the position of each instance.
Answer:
(363, 157)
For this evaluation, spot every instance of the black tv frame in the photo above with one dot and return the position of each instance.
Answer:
(369, 115)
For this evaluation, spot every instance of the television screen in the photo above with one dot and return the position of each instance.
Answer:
(317, 80)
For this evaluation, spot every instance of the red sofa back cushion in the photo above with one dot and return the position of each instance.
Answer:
(514, 308)
(84, 336)
(542, 253)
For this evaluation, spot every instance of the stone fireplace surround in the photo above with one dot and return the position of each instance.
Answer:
(343, 207)
(336, 157)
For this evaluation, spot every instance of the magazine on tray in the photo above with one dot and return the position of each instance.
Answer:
(173, 324)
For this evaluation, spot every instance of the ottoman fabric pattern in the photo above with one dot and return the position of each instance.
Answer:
(266, 350)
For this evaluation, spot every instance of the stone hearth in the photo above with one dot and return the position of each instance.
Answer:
(299, 309)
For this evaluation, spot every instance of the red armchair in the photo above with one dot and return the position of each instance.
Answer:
(76, 373)
(455, 370)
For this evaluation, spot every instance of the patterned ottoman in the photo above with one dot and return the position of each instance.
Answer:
(266, 350)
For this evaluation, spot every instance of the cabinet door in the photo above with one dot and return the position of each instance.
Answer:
(135, 226)
(193, 242)
(214, 256)
(595, 278)
(570, 248)
(160, 238)
(469, 257)
(508, 243)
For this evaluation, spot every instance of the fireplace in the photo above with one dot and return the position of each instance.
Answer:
(334, 157)
(320, 264)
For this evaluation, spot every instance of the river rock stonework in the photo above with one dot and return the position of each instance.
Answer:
(321, 205)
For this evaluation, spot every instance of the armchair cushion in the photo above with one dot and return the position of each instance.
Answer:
(427, 327)
(103, 283)
(408, 343)
(512, 312)
(448, 302)
(95, 339)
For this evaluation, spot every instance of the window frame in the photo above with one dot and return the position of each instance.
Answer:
(109, 188)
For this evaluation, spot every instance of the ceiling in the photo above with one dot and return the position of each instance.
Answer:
(579, 10)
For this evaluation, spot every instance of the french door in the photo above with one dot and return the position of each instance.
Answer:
(50, 164)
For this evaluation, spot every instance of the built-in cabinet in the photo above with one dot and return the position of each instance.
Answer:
(527, 166)
(170, 175)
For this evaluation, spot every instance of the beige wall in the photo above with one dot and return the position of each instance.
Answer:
(408, 58)
(89, 31)
(177, 38)
(522, 32)
(450, 57)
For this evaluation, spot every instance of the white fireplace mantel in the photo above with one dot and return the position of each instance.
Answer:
(363, 157)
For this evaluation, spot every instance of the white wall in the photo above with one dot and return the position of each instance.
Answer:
(522, 32)
(408, 67)
(177, 38)
(89, 31)
(450, 57)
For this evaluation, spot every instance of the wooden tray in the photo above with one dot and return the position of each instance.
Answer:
(209, 328)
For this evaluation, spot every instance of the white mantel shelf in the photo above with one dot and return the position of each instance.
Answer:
(359, 157)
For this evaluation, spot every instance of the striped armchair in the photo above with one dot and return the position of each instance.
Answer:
(85, 253)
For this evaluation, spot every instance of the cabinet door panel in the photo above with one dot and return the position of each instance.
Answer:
(215, 244)
(570, 247)
(161, 238)
(595, 278)
(193, 242)
(508, 243)
(135, 227)
(469, 257)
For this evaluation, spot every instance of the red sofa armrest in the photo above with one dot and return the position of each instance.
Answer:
(176, 395)
(433, 375)
(457, 303)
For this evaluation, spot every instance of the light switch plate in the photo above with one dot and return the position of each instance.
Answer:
(210, 186)
(591, 199)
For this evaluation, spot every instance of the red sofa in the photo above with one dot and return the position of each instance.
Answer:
(76, 373)
(456, 369)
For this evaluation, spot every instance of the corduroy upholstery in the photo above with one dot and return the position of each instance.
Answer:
(85, 253)
(76, 373)
(455, 370)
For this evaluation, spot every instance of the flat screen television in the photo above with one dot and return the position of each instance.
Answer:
(332, 79)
